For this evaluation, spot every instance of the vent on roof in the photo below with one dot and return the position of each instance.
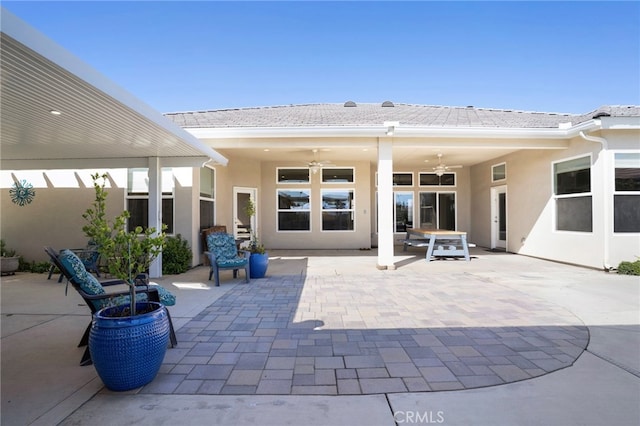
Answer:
(601, 114)
(387, 104)
(350, 104)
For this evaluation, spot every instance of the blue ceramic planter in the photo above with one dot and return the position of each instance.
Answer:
(127, 352)
(258, 264)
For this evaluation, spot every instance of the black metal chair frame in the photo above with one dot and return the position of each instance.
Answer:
(142, 286)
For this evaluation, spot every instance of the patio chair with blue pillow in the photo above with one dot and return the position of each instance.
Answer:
(96, 298)
(223, 254)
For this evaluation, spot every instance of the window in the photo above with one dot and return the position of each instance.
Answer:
(207, 197)
(335, 175)
(290, 175)
(338, 210)
(403, 179)
(499, 172)
(432, 179)
(572, 189)
(626, 197)
(138, 198)
(294, 210)
(438, 210)
(403, 211)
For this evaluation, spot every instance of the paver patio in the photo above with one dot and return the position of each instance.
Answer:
(376, 333)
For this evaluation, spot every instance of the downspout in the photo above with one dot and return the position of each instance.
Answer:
(605, 186)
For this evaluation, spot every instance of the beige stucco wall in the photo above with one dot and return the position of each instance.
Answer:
(531, 207)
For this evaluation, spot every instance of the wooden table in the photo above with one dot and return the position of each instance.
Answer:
(440, 242)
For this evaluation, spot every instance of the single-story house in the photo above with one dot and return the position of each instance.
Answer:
(564, 187)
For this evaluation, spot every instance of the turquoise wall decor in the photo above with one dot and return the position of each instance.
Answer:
(22, 193)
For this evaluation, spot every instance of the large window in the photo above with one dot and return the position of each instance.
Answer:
(338, 210)
(438, 210)
(294, 210)
(572, 189)
(626, 198)
(207, 197)
(138, 198)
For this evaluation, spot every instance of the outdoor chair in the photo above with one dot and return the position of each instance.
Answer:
(223, 254)
(89, 256)
(94, 294)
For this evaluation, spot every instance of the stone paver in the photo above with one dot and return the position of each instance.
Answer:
(336, 335)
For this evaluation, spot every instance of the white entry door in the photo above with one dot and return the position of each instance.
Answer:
(242, 223)
(499, 217)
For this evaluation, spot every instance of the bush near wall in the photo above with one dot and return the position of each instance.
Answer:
(176, 255)
(629, 268)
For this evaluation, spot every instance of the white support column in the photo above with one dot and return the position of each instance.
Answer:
(155, 209)
(385, 204)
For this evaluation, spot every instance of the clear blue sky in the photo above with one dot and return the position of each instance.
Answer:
(184, 56)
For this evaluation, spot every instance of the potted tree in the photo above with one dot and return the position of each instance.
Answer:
(127, 342)
(9, 262)
(259, 258)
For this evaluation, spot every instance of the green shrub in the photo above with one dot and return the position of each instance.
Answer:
(35, 267)
(629, 268)
(176, 255)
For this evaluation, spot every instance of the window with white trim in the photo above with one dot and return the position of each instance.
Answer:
(294, 209)
(338, 210)
(403, 211)
(337, 175)
(432, 179)
(403, 179)
(626, 196)
(572, 193)
(499, 172)
(207, 197)
(290, 175)
(137, 198)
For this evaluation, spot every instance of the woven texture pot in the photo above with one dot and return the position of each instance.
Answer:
(127, 352)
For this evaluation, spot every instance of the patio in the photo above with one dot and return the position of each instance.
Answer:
(327, 335)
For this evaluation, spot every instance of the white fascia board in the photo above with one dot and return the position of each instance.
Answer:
(400, 132)
(20, 31)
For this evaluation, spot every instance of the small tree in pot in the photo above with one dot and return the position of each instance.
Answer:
(127, 342)
(259, 259)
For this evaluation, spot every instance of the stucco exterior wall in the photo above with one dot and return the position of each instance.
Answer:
(531, 206)
(54, 218)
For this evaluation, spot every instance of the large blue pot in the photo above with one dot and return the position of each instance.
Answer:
(127, 352)
(258, 264)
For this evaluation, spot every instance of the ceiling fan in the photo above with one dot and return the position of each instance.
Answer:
(315, 165)
(442, 168)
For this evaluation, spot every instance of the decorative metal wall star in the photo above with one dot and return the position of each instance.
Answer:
(22, 193)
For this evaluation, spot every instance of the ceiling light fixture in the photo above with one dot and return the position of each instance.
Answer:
(55, 112)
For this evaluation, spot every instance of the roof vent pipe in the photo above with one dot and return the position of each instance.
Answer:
(350, 104)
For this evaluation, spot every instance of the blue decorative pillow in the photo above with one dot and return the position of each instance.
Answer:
(166, 297)
(87, 282)
(223, 246)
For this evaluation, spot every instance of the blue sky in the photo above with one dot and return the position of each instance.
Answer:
(184, 56)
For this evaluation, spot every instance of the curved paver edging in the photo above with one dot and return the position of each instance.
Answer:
(337, 335)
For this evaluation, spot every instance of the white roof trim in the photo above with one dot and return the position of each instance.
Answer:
(399, 132)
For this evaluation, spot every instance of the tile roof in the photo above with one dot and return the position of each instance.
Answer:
(368, 114)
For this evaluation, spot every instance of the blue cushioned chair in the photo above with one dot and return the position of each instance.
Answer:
(223, 254)
(95, 296)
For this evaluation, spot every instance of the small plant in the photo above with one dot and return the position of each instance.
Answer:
(254, 244)
(4, 251)
(629, 268)
(176, 255)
